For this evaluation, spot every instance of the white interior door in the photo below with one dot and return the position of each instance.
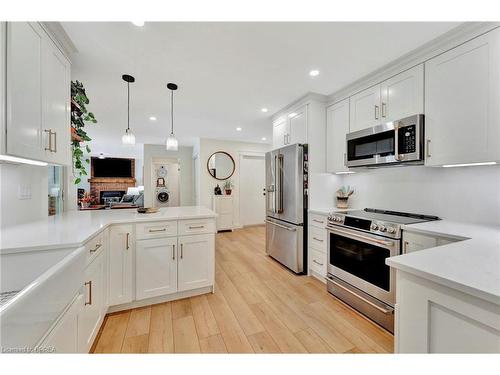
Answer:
(252, 184)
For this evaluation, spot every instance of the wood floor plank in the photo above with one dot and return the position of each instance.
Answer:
(185, 336)
(262, 342)
(139, 322)
(206, 325)
(213, 344)
(113, 333)
(161, 332)
(258, 306)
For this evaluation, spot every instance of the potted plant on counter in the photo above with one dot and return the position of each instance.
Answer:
(228, 187)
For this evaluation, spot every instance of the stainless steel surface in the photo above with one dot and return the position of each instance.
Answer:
(284, 242)
(393, 245)
(375, 310)
(377, 160)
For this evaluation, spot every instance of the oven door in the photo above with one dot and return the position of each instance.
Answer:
(358, 258)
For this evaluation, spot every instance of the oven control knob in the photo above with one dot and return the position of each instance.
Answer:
(339, 218)
(391, 230)
(374, 227)
(382, 228)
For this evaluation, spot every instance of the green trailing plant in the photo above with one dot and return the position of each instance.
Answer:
(79, 116)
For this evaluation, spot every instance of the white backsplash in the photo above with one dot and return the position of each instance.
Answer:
(467, 194)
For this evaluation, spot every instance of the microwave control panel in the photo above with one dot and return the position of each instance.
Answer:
(407, 142)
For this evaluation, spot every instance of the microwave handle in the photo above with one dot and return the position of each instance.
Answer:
(396, 142)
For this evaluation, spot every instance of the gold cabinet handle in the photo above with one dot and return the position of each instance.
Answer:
(173, 252)
(318, 221)
(197, 227)
(49, 133)
(97, 247)
(157, 230)
(55, 142)
(89, 284)
(128, 246)
(182, 250)
(317, 239)
(405, 247)
(428, 149)
(376, 112)
(318, 263)
(384, 109)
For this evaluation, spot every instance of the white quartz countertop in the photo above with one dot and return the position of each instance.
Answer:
(73, 228)
(471, 265)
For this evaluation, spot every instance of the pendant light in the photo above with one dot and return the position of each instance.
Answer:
(172, 142)
(128, 138)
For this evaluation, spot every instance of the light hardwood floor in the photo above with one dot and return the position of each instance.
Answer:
(258, 306)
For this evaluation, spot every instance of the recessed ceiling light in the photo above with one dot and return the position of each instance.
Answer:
(264, 110)
(239, 129)
(263, 138)
(101, 156)
(314, 73)
(138, 23)
(152, 118)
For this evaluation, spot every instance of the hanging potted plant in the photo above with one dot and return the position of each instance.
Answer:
(228, 187)
(79, 116)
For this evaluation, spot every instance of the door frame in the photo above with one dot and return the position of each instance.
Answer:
(242, 155)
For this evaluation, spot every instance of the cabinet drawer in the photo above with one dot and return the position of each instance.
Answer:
(93, 246)
(199, 226)
(316, 220)
(317, 238)
(317, 262)
(156, 229)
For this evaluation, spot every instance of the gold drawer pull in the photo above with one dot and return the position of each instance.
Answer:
(317, 239)
(157, 230)
(318, 221)
(197, 227)
(318, 263)
(97, 247)
(89, 284)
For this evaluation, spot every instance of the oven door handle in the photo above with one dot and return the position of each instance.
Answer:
(366, 238)
(379, 308)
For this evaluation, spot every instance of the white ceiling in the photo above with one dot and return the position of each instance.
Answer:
(226, 72)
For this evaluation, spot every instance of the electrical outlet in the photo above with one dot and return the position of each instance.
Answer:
(24, 191)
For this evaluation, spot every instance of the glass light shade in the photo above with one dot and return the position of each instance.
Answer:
(128, 138)
(172, 143)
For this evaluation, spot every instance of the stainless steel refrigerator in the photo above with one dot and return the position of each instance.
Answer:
(286, 205)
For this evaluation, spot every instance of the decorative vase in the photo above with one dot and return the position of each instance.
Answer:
(217, 190)
(342, 202)
(228, 191)
(85, 204)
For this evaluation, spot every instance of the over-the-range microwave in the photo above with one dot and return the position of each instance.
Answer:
(394, 142)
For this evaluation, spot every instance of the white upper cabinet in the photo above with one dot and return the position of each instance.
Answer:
(24, 90)
(462, 103)
(121, 247)
(297, 126)
(156, 267)
(403, 95)
(279, 133)
(337, 126)
(365, 109)
(37, 95)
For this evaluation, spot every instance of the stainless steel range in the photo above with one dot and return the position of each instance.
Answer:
(358, 244)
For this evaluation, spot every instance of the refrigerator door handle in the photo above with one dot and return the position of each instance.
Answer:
(279, 185)
(281, 226)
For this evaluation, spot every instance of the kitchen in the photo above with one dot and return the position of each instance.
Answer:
(375, 225)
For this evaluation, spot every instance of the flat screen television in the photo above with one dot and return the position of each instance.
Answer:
(112, 167)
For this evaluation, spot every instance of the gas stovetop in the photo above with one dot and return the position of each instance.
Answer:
(380, 222)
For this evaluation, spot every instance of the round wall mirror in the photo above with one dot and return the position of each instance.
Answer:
(220, 165)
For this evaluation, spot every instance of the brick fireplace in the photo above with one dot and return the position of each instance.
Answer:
(111, 184)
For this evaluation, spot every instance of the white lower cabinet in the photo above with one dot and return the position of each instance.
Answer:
(317, 246)
(156, 267)
(91, 313)
(64, 336)
(121, 252)
(196, 262)
(417, 241)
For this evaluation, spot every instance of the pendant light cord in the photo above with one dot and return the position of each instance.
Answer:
(128, 106)
(172, 110)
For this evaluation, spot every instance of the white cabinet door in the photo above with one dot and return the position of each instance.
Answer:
(91, 314)
(121, 247)
(64, 336)
(403, 95)
(415, 242)
(156, 267)
(56, 88)
(279, 133)
(24, 90)
(297, 126)
(223, 206)
(462, 96)
(196, 261)
(365, 109)
(337, 126)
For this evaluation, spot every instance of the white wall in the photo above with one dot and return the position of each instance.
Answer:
(185, 156)
(17, 211)
(207, 182)
(468, 194)
(322, 188)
